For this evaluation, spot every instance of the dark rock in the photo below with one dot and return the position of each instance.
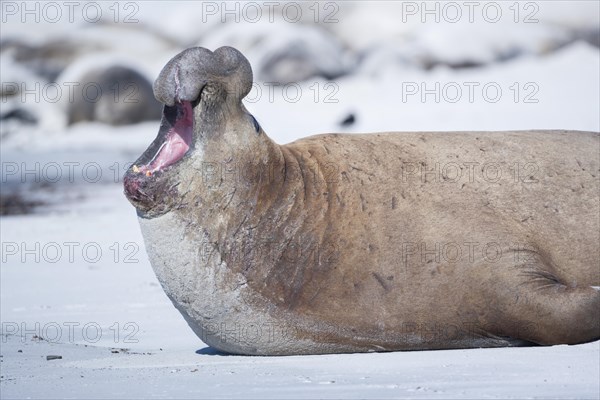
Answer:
(349, 120)
(20, 115)
(118, 95)
(15, 204)
(48, 59)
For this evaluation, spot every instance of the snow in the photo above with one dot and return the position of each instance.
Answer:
(105, 313)
(557, 372)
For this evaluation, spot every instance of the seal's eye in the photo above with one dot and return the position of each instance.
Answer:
(255, 123)
(209, 89)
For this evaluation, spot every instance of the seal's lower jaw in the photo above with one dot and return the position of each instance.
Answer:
(148, 183)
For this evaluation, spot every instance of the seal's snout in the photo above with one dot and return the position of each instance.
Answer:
(132, 184)
(186, 74)
(135, 191)
(151, 195)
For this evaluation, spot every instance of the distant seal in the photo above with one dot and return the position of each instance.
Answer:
(117, 95)
(367, 242)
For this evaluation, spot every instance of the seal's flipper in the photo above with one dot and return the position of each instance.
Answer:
(546, 311)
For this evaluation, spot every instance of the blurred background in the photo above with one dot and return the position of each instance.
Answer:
(76, 108)
(375, 55)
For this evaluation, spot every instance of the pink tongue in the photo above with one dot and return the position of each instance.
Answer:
(177, 142)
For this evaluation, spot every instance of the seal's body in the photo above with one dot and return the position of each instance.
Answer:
(347, 243)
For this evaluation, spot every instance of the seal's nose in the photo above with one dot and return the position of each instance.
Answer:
(184, 76)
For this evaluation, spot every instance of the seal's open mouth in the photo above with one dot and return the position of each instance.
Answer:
(177, 140)
(146, 188)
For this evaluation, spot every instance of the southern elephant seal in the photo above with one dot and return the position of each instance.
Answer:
(363, 242)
